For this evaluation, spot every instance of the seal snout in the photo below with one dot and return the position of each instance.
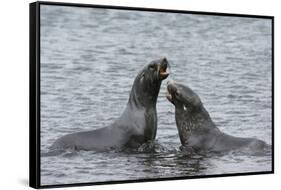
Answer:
(171, 90)
(164, 59)
(164, 68)
(171, 87)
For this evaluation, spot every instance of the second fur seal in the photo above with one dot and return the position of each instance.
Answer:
(137, 124)
(196, 129)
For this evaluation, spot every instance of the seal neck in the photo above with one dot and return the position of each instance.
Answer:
(144, 98)
(192, 120)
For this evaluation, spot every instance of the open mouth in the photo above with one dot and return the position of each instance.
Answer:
(164, 70)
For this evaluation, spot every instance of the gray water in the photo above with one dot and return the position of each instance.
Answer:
(90, 57)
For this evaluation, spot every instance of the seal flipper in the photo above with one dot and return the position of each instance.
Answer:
(187, 149)
(52, 153)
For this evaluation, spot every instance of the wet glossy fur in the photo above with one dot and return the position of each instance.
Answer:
(137, 124)
(196, 128)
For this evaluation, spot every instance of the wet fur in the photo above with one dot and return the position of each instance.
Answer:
(196, 129)
(137, 124)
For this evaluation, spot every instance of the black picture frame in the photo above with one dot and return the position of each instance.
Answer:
(34, 91)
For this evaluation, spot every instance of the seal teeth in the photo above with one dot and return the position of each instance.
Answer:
(164, 72)
(163, 69)
(167, 70)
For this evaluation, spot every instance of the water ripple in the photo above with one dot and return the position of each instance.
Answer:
(89, 58)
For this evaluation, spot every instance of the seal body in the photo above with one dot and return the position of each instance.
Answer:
(196, 129)
(137, 124)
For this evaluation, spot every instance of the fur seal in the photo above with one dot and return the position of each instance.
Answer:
(137, 124)
(196, 129)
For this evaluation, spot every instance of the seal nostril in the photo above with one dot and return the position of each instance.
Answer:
(164, 64)
(163, 61)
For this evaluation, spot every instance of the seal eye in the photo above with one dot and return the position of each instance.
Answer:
(151, 67)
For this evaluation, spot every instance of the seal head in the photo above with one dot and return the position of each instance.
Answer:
(190, 114)
(147, 84)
